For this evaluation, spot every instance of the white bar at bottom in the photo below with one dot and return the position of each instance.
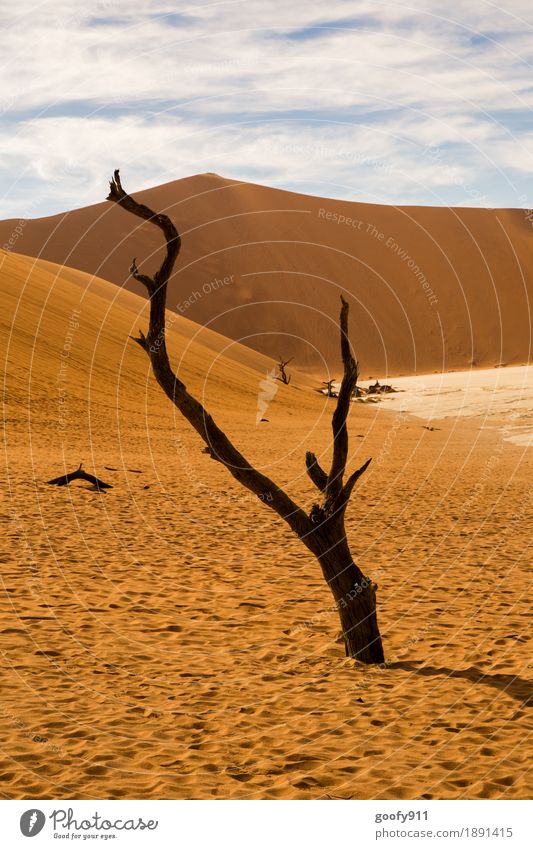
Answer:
(267, 824)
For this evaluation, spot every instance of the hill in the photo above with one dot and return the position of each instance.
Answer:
(432, 289)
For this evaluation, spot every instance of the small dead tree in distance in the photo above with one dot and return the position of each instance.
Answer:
(283, 377)
(329, 388)
(79, 474)
(323, 530)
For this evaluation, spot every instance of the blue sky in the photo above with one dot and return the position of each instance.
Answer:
(418, 103)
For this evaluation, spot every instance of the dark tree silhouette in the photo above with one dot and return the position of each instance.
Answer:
(79, 474)
(323, 530)
(329, 387)
(283, 377)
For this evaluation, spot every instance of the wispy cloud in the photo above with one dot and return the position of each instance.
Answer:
(392, 104)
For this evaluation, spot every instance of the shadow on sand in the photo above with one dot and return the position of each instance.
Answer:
(514, 686)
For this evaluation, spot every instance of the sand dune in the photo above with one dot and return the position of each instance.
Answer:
(433, 289)
(169, 640)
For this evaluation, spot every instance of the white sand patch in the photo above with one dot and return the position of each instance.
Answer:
(503, 393)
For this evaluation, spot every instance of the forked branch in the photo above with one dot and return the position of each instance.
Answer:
(220, 447)
(336, 492)
(79, 474)
(172, 237)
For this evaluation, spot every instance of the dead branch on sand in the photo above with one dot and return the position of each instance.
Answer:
(79, 474)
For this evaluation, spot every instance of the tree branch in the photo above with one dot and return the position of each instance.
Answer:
(340, 430)
(149, 282)
(220, 447)
(350, 483)
(172, 237)
(79, 474)
(315, 471)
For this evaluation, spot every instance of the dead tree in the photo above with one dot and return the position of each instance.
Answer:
(323, 530)
(79, 474)
(378, 388)
(329, 388)
(283, 377)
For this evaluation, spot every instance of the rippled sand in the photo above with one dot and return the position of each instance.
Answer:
(170, 639)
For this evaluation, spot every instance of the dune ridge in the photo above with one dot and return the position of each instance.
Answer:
(432, 289)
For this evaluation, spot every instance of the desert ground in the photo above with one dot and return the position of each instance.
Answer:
(171, 639)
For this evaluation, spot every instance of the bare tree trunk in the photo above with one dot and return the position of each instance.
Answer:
(322, 531)
(354, 594)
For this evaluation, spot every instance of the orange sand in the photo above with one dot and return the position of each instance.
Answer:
(170, 639)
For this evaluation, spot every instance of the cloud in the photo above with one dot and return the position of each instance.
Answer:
(396, 103)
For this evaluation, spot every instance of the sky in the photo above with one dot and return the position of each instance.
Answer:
(384, 102)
